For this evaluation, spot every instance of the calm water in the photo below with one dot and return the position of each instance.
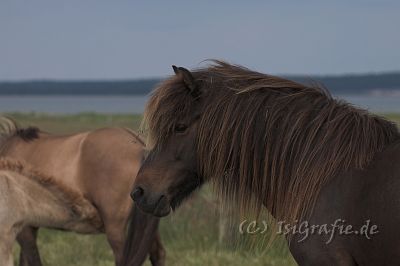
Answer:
(135, 104)
(73, 104)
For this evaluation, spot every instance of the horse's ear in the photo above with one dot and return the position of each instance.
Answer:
(188, 80)
(175, 68)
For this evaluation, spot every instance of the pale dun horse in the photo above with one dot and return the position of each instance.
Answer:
(28, 197)
(99, 167)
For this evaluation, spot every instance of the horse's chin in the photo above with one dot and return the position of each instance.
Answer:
(162, 211)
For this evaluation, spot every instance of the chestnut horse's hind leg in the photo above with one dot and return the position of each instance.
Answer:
(29, 255)
(157, 252)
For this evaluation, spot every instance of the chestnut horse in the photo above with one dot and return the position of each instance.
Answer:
(265, 141)
(100, 165)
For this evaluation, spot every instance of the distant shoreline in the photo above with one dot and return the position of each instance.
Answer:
(360, 84)
(380, 103)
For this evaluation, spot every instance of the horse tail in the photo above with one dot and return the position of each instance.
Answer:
(8, 128)
(141, 235)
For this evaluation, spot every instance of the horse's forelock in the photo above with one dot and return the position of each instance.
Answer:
(167, 106)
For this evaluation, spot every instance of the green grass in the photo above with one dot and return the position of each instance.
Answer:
(190, 235)
(75, 123)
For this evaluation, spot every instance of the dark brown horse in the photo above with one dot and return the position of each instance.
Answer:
(99, 165)
(269, 142)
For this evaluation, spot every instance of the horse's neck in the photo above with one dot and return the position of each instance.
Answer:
(44, 203)
(32, 202)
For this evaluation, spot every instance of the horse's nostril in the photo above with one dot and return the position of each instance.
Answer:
(137, 193)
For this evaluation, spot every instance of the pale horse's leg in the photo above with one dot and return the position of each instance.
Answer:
(8, 230)
(7, 238)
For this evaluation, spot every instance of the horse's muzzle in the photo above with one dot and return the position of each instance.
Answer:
(156, 205)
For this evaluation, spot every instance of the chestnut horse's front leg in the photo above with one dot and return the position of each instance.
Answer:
(29, 255)
(157, 251)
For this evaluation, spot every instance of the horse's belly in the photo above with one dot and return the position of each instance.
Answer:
(84, 228)
(92, 226)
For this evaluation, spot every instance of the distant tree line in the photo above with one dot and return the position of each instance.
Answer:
(354, 84)
(346, 84)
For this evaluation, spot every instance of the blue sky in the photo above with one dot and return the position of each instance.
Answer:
(90, 39)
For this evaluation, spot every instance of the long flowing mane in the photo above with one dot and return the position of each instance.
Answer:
(78, 205)
(267, 136)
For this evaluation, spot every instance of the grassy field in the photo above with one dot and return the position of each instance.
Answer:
(190, 235)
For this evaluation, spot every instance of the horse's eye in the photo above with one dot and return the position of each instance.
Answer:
(180, 128)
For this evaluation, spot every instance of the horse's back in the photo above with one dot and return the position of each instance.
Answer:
(51, 154)
(65, 157)
(113, 144)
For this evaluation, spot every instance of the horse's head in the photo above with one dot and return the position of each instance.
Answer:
(169, 173)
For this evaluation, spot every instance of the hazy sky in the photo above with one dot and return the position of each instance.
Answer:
(83, 39)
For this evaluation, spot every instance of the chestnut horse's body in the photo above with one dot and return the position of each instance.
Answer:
(311, 160)
(100, 165)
